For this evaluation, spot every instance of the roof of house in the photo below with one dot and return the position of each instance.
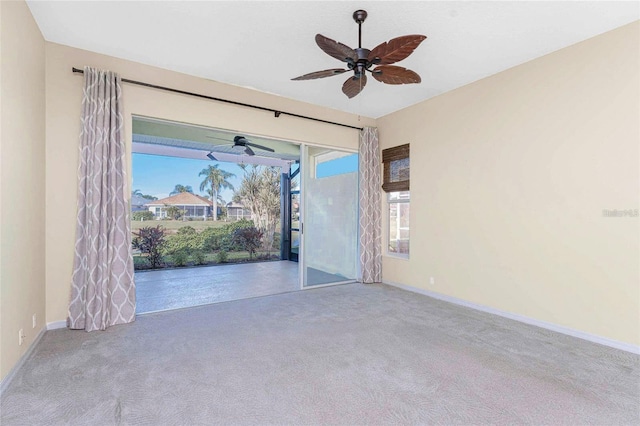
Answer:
(182, 199)
(137, 200)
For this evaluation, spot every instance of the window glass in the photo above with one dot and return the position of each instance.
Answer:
(344, 164)
(397, 196)
(399, 223)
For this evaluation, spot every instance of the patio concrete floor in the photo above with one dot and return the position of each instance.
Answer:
(184, 287)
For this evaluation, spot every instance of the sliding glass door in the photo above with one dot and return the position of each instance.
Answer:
(330, 216)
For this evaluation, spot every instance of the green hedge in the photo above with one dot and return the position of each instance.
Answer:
(143, 215)
(188, 240)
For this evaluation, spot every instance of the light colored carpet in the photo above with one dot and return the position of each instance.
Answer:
(350, 354)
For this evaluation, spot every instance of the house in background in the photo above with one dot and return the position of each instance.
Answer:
(236, 211)
(138, 203)
(191, 205)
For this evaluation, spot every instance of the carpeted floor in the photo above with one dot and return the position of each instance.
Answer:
(350, 354)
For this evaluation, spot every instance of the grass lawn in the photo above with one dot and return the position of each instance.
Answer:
(173, 225)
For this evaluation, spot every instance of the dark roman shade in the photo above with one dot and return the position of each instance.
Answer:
(396, 168)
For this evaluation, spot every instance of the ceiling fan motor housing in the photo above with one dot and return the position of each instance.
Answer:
(362, 63)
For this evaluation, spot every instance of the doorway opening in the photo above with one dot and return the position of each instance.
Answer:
(228, 213)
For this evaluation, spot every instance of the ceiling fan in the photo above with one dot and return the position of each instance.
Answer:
(243, 146)
(361, 60)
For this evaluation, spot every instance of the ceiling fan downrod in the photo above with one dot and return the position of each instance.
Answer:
(359, 16)
(362, 64)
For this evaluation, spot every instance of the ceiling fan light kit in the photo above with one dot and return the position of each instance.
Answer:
(361, 60)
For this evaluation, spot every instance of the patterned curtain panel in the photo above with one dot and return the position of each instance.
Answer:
(102, 288)
(370, 214)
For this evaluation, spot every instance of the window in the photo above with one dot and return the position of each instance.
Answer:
(398, 223)
(335, 163)
(395, 183)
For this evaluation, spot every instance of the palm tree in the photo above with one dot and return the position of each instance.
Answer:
(215, 179)
(181, 188)
(221, 201)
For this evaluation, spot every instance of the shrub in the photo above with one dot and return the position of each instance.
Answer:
(186, 230)
(228, 241)
(151, 241)
(198, 257)
(179, 258)
(173, 212)
(249, 238)
(144, 215)
(238, 224)
(139, 262)
(210, 238)
(214, 239)
(276, 242)
(186, 239)
(222, 256)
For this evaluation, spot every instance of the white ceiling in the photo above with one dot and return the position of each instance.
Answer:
(262, 45)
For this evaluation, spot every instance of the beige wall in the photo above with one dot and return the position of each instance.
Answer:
(64, 90)
(22, 191)
(510, 176)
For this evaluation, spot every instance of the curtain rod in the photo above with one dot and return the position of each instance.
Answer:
(198, 95)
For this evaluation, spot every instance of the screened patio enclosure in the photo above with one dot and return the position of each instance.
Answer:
(318, 216)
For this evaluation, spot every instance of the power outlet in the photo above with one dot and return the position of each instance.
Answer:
(432, 280)
(21, 337)
(33, 321)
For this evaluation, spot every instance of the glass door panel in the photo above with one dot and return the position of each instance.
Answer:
(330, 216)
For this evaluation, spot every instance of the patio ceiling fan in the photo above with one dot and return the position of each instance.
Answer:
(243, 146)
(361, 60)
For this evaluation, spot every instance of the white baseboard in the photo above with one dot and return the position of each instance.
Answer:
(543, 324)
(56, 325)
(4, 384)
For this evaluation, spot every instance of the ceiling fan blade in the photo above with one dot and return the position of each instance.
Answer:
(391, 74)
(354, 85)
(321, 74)
(335, 49)
(248, 150)
(395, 49)
(255, 145)
(211, 157)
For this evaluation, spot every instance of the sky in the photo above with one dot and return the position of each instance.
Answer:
(157, 175)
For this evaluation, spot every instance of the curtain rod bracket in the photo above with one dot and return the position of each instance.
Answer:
(211, 98)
